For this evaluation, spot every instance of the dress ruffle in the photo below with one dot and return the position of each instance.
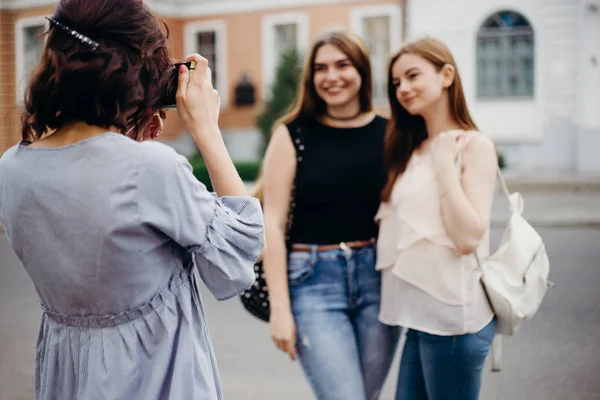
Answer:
(131, 355)
(234, 240)
(413, 240)
(415, 201)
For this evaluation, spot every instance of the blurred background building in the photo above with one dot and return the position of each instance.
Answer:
(530, 67)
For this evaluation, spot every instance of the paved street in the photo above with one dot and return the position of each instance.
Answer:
(556, 356)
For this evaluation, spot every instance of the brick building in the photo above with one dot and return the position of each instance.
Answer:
(241, 38)
(531, 68)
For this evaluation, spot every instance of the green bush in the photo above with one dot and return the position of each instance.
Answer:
(248, 170)
(281, 94)
(501, 160)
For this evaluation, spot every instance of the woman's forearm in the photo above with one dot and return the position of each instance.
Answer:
(275, 267)
(461, 219)
(224, 177)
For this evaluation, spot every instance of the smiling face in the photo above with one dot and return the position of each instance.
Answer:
(418, 83)
(423, 84)
(336, 80)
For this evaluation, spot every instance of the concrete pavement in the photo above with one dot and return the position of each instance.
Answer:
(555, 356)
(554, 208)
(552, 198)
(552, 181)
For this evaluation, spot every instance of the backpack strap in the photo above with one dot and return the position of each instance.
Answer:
(458, 164)
(496, 347)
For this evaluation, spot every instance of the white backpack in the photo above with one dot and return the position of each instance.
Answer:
(515, 276)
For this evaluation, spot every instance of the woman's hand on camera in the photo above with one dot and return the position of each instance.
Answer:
(198, 103)
(283, 332)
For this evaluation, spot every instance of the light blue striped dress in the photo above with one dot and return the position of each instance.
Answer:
(109, 231)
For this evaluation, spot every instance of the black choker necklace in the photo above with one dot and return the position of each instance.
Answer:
(343, 118)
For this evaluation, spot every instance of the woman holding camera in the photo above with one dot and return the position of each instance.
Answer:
(109, 226)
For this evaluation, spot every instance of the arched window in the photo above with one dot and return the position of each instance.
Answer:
(505, 56)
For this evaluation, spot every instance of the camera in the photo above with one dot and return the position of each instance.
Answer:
(167, 100)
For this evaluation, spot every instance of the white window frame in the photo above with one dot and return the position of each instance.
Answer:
(504, 35)
(269, 59)
(219, 27)
(509, 120)
(20, 73)
(393, 11)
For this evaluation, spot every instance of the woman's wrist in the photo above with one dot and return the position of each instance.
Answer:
(447, 178)
(279, 300)
(279, 309)
(211, 145)
(205, 133)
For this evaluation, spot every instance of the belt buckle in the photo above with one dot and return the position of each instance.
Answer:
(345, 248)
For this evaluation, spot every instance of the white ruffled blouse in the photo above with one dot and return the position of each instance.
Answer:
(426, 284)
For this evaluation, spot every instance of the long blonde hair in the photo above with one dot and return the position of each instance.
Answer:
(405, 131)
(307, 103)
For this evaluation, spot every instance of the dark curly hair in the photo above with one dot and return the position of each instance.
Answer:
(118, 84)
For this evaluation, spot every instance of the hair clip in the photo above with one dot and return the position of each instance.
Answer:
(83, 39)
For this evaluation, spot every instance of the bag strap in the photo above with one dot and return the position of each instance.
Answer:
(496, 348)
(504, 189)
(458, 167)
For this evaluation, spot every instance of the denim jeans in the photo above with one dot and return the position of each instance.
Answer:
(345, 352)
(443, 367)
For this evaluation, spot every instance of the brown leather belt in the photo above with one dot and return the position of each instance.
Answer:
(346, 246)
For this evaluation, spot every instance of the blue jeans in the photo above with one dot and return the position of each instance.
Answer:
(345, 352)
(443, 367)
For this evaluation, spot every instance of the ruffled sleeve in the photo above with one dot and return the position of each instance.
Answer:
(225, 234)
(234, 238)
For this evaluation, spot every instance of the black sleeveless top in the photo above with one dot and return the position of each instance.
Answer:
(339, 178)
